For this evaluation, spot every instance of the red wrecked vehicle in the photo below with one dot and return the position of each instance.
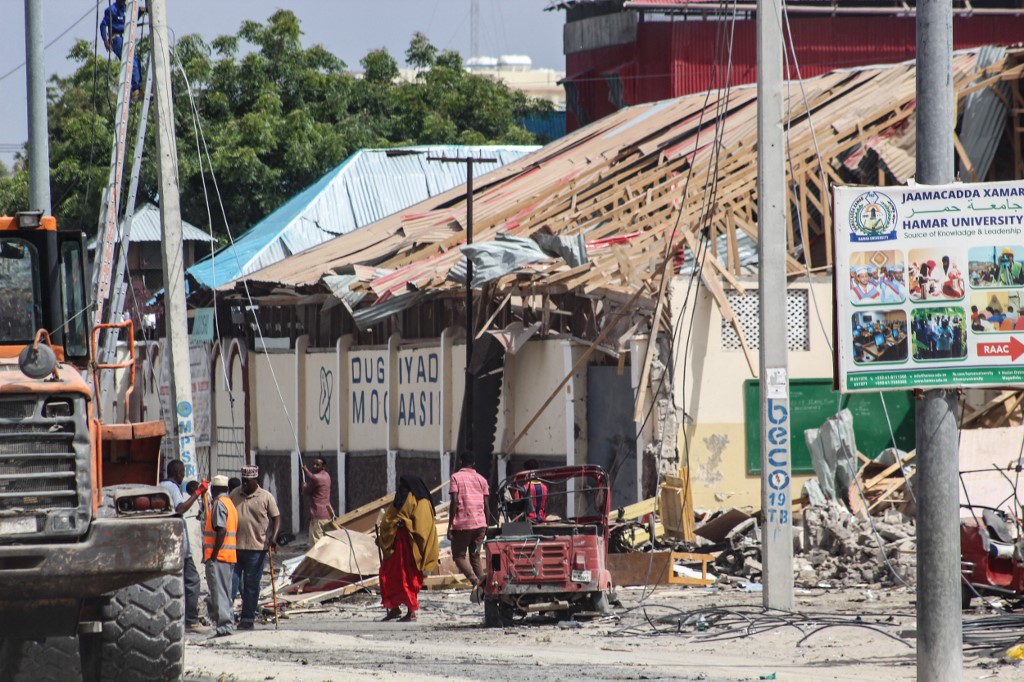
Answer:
(549, 551)
(990, 554)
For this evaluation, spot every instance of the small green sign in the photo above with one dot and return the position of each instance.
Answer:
(203, 325)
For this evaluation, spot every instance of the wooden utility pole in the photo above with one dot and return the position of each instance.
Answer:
(176, 317)
(467, 411)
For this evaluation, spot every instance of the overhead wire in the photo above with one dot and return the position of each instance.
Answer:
(252, 307)
(54, 41)
(722, 44)
(792, 61)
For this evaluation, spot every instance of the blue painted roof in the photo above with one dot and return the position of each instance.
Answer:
(367, 186)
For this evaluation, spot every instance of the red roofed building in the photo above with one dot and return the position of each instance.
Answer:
(624, 52)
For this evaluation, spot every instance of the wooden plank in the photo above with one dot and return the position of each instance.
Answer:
(362, 519)
(447, 582)
(635, 510)
(692, 558)
(676, 502)
(887, 472)
(964, 158)
(640, 568)
(338, 593)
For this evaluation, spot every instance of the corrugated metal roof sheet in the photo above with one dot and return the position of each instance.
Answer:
(146, 228)
(368, 186)
(984, 119)
(622, 183)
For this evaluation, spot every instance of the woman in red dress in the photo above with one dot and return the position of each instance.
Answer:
(407, 538)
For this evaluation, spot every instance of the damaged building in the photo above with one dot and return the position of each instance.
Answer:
(614, 302)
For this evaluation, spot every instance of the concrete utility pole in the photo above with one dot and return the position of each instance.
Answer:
(474, 28)
(176, 319)
(776, 503)
(38, 139)
(939, 618)
(467, 414)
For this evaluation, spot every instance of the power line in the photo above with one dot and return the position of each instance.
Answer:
(52, 42)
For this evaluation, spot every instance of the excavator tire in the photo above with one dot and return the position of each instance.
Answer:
(143, 633)
(54, 659)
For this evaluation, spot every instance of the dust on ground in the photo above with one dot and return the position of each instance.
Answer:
(345, 640)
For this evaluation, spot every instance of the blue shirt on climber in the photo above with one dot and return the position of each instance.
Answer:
(112, 33)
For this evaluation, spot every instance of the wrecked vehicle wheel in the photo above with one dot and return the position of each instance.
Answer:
(55, 658)
(143, 634)
(497, 615)
(966, 596)
(599, 603)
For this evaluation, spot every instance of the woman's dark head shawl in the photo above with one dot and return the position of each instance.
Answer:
(410, 483)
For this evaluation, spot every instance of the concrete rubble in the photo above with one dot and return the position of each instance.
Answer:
(840, 549)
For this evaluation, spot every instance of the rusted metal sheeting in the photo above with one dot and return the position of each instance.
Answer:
(697, 53)
(623, 183)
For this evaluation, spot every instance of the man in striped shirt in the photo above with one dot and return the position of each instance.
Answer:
(467, 526)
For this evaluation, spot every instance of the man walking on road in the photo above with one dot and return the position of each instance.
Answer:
(259, 522)
(467, 527)
(175, 477)
(318, 490)
(219, 555)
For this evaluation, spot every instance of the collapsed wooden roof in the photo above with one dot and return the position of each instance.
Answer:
(646, 175)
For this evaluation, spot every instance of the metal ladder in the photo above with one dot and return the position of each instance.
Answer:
(110, 283)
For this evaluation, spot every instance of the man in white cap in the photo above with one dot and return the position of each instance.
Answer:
(862, 287)
(259, 522)
(219, 553)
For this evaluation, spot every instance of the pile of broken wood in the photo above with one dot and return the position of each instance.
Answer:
(346, 561)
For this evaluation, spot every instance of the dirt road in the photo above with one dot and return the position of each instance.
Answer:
(348, 642)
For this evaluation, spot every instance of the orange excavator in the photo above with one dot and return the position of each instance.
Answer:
(90, 548)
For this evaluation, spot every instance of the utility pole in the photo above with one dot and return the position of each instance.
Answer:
(939, 618)
(474, 28)
(176, 318)
(467, 412)
(38, 139)
(38, 145)
(776, 503)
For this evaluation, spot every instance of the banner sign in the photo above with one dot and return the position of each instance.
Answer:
(928, 286)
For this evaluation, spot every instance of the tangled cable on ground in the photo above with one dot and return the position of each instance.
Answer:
(716, 624)
(1000, 631)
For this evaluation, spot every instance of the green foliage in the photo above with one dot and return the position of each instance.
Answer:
(272, 118)
(421, 53)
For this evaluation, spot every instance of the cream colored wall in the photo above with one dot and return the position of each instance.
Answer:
(320, 402)
(369, 375)
(271, 410)
(458, 389)
(712, 396)
(425, 413)
(419, 398)
(537, 369)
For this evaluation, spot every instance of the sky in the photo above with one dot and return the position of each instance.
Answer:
(347, 28)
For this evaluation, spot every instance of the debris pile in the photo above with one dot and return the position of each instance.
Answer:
(841, 549)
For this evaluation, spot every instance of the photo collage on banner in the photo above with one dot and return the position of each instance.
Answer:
(928, 286)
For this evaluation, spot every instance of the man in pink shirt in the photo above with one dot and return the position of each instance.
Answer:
(318, 490)
(467, 526)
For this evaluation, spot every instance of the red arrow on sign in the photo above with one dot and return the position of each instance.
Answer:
(1014, 348)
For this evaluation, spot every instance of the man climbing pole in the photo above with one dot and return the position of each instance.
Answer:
(112, 33)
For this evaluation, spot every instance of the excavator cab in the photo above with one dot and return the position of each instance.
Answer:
(42, 275)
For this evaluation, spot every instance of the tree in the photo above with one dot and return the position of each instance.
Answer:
(421, 53)
(256, 126)
(380, 67)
